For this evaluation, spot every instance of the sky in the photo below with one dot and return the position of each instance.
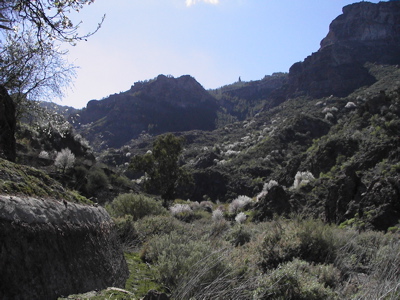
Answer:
(215, 41)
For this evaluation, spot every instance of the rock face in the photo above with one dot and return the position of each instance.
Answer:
(365, 32)
(7, 126)
(165, 104)
(50, 248)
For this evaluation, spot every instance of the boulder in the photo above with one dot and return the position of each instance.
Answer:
(52, 248)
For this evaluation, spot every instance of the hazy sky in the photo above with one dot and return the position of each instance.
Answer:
(215, 41)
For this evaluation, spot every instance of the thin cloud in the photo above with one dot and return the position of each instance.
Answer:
(193, 2)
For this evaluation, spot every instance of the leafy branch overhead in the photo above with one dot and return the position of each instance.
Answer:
(50, 19)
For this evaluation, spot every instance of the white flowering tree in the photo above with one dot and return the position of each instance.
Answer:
(32, 64)
(302, 178)
(65, 160)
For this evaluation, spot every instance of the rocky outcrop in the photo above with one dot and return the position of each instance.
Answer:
(365, 32)
(7, 126)
(51, 248)
(365, 22)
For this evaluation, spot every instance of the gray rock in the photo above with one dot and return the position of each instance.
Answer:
(51, 248)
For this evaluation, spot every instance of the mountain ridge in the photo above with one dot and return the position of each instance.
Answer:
(364, 33)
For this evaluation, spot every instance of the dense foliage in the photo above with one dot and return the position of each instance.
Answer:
(163, 174)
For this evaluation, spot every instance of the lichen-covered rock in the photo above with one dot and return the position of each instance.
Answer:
(51, 248)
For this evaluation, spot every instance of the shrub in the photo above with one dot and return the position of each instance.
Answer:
(239, 236)
(384, 278)
(206, 205)
(135, 205)
(359, 251)
(239, 203)
(97, 180)
(302, 178)
(241, 218)
(44, 154)
(184, 212)
(126, 231)
(269, 185)
(219, 228)
(195, 206)
(309, 239)
(151, 226)
(179, 209)
(296, 280)
(177, 258)
(217, 215)
(79, 175)
(65, 159)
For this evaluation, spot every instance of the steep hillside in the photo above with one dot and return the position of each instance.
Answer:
(341, 132)
(157, 106)
(334, 117)
(349, 145)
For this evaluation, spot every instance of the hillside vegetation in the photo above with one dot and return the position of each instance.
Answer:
(286, 187)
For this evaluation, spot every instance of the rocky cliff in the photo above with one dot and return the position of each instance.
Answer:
(51, 247)
(365, 32)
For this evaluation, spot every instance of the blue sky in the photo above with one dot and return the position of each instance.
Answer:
(215, 41)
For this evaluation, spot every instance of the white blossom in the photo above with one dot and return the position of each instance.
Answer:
(65, 159)
(302, 178)
(240, 218)
(217, 215)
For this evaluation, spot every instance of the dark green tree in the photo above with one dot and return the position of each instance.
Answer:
(163, 173)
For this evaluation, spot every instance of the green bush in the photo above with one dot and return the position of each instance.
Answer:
(135, 205)
(358, 251)
(309, 239)
(157, 225)
(180, 260)
(298, 280)
(239, 235)
(126, 231)
(383, 282)
(96, 180)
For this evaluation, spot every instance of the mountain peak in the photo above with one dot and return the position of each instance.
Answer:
(163, 104)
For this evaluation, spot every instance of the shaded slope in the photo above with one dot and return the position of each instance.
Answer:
(158, 106)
